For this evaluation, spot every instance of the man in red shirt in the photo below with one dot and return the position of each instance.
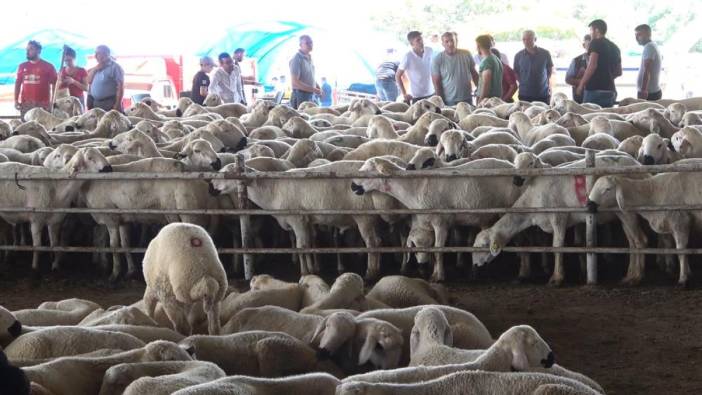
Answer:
(35, 81)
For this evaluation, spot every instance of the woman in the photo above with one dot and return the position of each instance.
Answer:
(72, 77)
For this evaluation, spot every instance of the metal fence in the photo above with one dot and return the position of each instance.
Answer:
(244, 212)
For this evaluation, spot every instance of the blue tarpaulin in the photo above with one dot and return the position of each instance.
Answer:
(52, 42)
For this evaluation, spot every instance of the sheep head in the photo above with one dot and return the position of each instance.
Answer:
(684, 140)
(10, 327)
(334, 331)
(603, 193)
(88, 160)
(528, 349)
(486, 239)
(454, 144)
(162, 350)
(200, 153)
(430, 327)
(424, 158)
(653, 150)
(377, 165)
(379, 343)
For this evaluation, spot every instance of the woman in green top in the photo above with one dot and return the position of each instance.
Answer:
(490, 84)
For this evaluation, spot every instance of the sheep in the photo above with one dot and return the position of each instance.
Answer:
(546, 117)
(600, 142)
(65, 312)
(688, 142)
(289, 298)
(345, 293)
(307, 384)
(314, 288)
(22, 143)
(618, 129)
(381, 147)
(530, 134)
(126, 315)
(492, 383)
(109, 125)
(655, 150)
(5, 130)
(84, 375)
(54, 342)
(431, 345)
(323, 333)
(401, 291)
(157, 377)
(258, 353)
(570, 119)
(422, 194)
(380, 127)
(346, 141)
(415, 111)
(631, 145)
(45, 118)
(551, 192)
(47, 194)
(10, 327)
(468, 331)
(473, 121)
(181, 267)
(147, 334)
(279, 115)
(664, 189)
(298, 128)
(652, 121)
(36, 130)
(454, 144)
(303, 152)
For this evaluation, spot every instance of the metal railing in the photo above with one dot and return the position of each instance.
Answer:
(242, 177)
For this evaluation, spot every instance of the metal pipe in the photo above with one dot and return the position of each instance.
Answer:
(244, 220)
(591, 225)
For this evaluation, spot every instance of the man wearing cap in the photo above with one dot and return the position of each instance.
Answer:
(302, 74)
(106, 82)
(201, 81)
(416, 64)
(35, 81)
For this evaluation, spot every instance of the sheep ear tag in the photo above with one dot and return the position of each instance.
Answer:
(495, 249)
(196, 242)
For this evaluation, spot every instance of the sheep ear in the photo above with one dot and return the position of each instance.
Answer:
(77, 163)
(621, 202)
(414, 341)
(654, 127)
(367, 350)
(439, 149)
(520, 362)
(319, 331)
(448, 336)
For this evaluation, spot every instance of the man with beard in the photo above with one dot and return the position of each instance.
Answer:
(35, 81)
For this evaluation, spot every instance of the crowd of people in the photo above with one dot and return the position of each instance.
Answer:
(454, 74)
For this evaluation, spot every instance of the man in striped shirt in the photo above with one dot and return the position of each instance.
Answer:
(385, 84)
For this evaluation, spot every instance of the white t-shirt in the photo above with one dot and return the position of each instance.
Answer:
(418, 71)
(650, 51)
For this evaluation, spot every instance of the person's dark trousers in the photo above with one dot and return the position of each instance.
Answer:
(416, 99)
(655, 96)
(299, 96)
(543, 99)
(602, 98)
(107, 103)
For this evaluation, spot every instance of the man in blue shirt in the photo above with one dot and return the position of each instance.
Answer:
(534, 68)
(326, 96)
(106, 81)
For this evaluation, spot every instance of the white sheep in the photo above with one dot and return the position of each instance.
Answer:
(22, 143)
(380, 127)
(10, 327)
(117, 315)
(631, 145)
(84, 375)
(530, 134)
(64, 312)
(345, 293)
(655, 150)
(380, 147)
(415, 111)
(157, 377)
(600, 142)
(688, 142)
(652, 121)
(401, 291)
(147, 334)
(308, 384)
(181, 267)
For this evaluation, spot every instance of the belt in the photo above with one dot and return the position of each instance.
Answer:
(301, 91)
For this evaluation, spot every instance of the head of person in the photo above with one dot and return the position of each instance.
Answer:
(306, 44)
(69, 57)
(324, 79)
(448, 40)
(484, 44)
(586, 41)
(33, 50)
(226, 62)
(415, 40)
(492, 42)
(598, 28)
(102, 54)
(239, 54)
(529, 39)
(206, 64)
(643, 34)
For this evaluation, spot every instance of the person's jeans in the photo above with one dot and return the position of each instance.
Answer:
(299, 96)
(602, 98)
(387, 89)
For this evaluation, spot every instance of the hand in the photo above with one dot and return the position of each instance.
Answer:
(408, 98)
(17, 105)
(68, 80)
(643, 95)
(579, 90)
(317, 91)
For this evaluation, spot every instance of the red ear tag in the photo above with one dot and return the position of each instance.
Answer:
(196, 242)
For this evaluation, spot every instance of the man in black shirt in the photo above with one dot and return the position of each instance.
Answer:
(201, 81)
(604, 65)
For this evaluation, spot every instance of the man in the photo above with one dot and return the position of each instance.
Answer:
(650, 70)
(603, 66)
(503, 56)
(416, 64)
(35, 81)
(73, 78)
(576, 70)
(490, 83)
(201, 81)
(304, 86)
(226, 82)
(534, 69)
(106, 82)
(452, 71)
(385, 84)
(326, 96)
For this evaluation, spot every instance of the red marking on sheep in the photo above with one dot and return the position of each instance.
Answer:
(196, 242)
(581, 189)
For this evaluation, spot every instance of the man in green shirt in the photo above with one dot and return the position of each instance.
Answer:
(452, 71)
(490, 83)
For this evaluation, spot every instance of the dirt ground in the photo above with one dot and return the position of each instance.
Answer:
(645, 340)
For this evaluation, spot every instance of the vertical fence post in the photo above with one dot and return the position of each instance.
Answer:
(244, 220)
(591, 226)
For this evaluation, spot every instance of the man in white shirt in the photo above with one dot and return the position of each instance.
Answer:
(648, 81)
(226, 81)
(416, 64)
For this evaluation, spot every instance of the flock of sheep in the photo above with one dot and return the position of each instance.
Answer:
(277, 338)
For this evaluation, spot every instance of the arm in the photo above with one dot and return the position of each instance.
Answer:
(485, 88)
(474, 75)
(297, 84)
(589, 71)
(401, 85)
(511, 90)
(18, 88)
(572, 77)
(119, 94)
(549, 73)
(438, 88)
(203, 90)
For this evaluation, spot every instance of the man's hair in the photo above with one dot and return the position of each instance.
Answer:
(69, 52)
(643, 28)
(587, 37)
(484, 41)
(35, 44)
(412, 35)
(103, 48)
(600, 25)
(223, 56)
(239, 50)
(449, 35)
(529, 32)
(206, 60)
(305, 37)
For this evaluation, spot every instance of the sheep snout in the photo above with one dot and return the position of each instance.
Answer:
(549, 361)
